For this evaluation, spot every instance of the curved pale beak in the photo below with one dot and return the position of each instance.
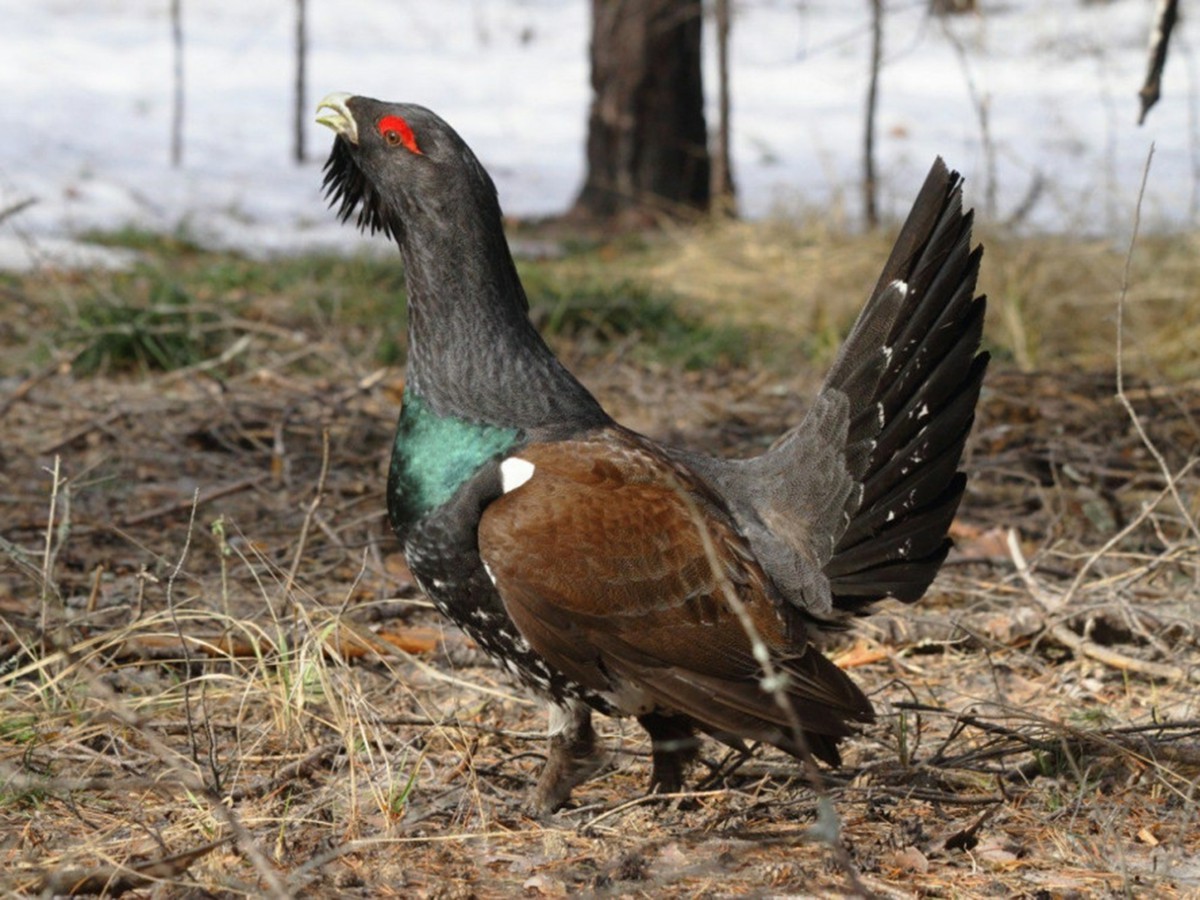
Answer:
(339, 117)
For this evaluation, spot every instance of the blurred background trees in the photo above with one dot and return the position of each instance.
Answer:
(647, 143)
(651, 150)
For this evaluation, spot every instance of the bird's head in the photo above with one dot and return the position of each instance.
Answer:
(393, 162)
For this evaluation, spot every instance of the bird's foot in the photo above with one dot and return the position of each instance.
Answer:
(572, 758)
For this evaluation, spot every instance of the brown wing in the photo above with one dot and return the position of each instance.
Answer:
(601, 564)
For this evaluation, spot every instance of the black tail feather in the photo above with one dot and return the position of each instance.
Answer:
(917, 414)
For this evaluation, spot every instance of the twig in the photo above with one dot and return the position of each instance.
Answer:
(301, 768)
(187, 657)
(306, 525)
(1080, 645)
(91, 426)
(195, 501)
(10, 211)
(654, 798)
(1137, 423)
(23, 389)
(828, 825)
(1133, 525)
(113, 881)
(981, 102)
(48, 553)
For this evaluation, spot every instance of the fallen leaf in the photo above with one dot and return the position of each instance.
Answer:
(992, 853)
(910, 859)
(863, 653)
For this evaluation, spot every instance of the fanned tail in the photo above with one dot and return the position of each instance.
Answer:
(854, 503)
(913, 419)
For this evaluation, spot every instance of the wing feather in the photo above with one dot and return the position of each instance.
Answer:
(601, 563)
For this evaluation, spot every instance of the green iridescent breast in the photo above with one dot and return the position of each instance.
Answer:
(434, 455)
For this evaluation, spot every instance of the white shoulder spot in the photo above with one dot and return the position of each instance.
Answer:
(514, 472)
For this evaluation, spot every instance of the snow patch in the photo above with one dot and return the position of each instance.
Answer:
(88, 133)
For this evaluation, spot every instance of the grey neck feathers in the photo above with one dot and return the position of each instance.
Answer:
(472, 352)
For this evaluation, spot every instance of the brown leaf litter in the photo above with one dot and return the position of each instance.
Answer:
(215, 677)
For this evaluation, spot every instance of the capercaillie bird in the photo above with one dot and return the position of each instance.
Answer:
(609, 572)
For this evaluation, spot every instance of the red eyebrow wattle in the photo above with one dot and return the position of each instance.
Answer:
(402, 128)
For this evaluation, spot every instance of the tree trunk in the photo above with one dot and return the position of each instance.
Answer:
(870, 188)
(723, 201)
(177, 83)
(647, 146)
(300, 101)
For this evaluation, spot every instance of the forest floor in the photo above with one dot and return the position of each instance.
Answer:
(217, 677)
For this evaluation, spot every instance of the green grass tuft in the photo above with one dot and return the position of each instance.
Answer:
(148, 321)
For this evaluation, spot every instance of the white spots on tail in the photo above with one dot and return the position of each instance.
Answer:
(514, 472)
(901, 289)
(488, 569)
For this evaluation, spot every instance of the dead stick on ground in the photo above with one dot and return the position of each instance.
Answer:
(1081, 645)
(181, 505)
(301, 768)
(23, 389)
(94, 425)
(1134, 525)
(655, 798)
(112, 881)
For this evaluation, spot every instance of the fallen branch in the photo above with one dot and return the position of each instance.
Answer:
(301, 768)
(346, 641)
(1077, 643)
(113, 881)
(187, 503)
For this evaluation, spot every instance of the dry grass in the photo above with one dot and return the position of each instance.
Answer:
(1051, 298)
(217, 675)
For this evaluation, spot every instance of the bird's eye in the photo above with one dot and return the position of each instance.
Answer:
(397, 132)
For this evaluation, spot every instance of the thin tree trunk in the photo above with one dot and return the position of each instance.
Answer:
(724, 202)
(177, 100)
(870, 206)
(301, 64)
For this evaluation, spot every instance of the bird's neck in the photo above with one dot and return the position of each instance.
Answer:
(473, 354)
(480, 380)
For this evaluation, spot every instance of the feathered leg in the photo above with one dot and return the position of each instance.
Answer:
(673, 748)
(572, 756)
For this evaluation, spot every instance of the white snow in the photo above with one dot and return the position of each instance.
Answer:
(87, 88)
